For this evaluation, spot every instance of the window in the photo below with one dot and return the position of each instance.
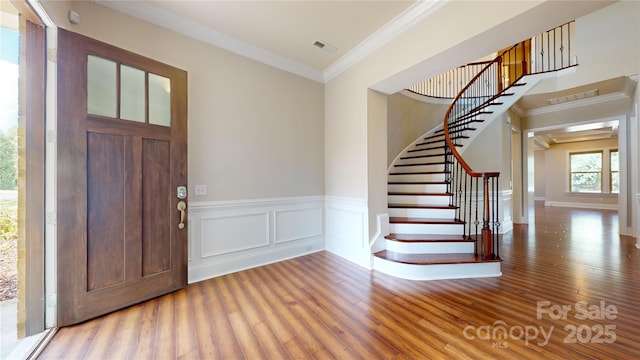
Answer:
(594, 171)
(586, 172)
(614, 172)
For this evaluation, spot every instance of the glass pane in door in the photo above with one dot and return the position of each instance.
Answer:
(101, 87)
(159, 100)
(132, 94)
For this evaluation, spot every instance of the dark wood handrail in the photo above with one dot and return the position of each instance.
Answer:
(447, 135)
(478, 94)
(485, 248)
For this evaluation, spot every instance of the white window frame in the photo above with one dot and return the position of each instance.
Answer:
(606, 170)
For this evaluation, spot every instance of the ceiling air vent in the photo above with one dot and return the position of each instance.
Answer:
(326, 47)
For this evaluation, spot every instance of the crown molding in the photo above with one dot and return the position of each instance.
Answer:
(388, 32)
(147, 12)
(578, 103)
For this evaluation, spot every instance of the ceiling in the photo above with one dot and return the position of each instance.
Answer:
(283, 33)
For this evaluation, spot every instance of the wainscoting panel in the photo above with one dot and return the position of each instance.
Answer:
(297, 224)
(230, 236)
(347, 229)
(246, 231)
(506, 211)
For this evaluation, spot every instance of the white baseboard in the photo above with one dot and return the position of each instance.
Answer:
(539, 198)
(582, 205)
(506, 225)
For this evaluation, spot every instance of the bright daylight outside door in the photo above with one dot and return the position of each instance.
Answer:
(21, 177)
(122, 163)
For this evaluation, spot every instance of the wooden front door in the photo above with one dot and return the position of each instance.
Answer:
(122, 154)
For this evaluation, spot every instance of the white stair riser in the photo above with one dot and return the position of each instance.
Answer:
(440, 157)
(424, 150)
(422, 213)
(426, 188)
(439, 247)
(436, 272)
(418, 168)
(417, 177)
(429, 143)
(444, 229)
(417, 199)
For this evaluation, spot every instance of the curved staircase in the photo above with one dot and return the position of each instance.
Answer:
(427, 240)
(443, 216)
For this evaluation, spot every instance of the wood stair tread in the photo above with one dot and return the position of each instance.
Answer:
(427, 238)
(432, 259)
(424, 221)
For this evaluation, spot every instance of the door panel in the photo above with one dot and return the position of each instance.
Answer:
(118, 236)
(157, 199)
(105, 221)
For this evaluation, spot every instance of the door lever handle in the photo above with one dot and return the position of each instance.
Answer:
(182, 206)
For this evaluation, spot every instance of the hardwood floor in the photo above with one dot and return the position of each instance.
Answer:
(321, 306)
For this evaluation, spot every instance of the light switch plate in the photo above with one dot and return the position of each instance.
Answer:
(201, 190)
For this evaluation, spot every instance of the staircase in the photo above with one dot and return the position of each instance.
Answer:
(431, 237)
(443, 216)
(427, 239)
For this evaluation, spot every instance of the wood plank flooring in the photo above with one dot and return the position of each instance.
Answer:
(323, 307)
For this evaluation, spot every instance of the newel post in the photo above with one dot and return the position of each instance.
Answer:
(486, 229)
